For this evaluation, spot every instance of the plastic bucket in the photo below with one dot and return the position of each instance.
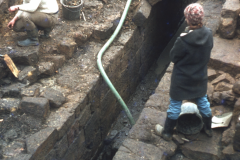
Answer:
(189, 120)
(71, 12)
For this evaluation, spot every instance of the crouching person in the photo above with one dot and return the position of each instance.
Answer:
(33, 15)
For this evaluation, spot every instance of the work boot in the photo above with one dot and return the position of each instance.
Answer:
(168, 129)
(207, 125)
(32, 39)
(46, 33)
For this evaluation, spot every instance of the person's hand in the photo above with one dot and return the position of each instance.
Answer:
(13, 8)
(11, 24)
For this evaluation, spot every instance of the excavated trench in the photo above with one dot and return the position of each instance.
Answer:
(81, 129)
(166, 23)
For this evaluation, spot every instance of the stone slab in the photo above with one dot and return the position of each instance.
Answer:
(160, 99)
(143, 130)
(225, 55)
(203, 148)
(135, 150)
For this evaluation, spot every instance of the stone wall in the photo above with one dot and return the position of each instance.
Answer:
(127, 65)
(77, 129)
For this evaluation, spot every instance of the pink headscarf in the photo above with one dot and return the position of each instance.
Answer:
(194, 13)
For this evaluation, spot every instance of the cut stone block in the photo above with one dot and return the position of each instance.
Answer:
(67, 47)
(230, 11)
(40, 143)
(31, 91)
(8, 105)
(61, 147)
(25, 55)
(35, 106)
(103, 31)
(227, 27)
(12, 90)
(142, 13)
(28, 75)
(125, 37)
(73, 132)
(57, 60)
(91, 128)
(56, 98)
(82, 37)
(46, 68)
(62, 120)
(224, 55)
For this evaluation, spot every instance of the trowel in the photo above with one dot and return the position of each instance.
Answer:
(11, 65)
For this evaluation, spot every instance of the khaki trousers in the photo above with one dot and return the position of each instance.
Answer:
(29, 21)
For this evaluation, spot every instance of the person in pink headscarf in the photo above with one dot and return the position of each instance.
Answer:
(190, 55)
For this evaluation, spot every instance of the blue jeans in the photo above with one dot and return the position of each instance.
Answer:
(174, 108)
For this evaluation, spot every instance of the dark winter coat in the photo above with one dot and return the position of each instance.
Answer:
(190, 55)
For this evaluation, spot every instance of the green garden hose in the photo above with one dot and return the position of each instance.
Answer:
(100, 67)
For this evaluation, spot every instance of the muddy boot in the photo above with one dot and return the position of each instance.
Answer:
(168, 129)
(207, 125)
(32, 39)
(46, 33)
